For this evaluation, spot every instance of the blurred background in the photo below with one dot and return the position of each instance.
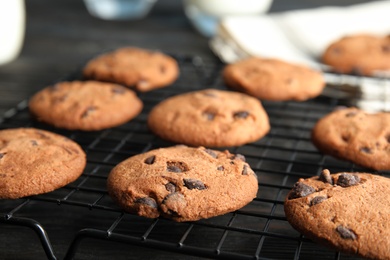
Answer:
(61, 35)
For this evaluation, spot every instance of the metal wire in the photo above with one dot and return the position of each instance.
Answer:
(257, 231)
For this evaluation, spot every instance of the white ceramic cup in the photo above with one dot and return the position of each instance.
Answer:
(119, 9)
(205, 14)
(12, 29)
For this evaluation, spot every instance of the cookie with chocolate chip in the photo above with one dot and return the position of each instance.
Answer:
(141, 69)
(349, 212)
(210, 117)
(182, 183)
(273, 79)
(354, 135)
(85, 105)
(34, 161)
(362, 54)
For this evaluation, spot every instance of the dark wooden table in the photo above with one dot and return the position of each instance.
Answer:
(60, 37)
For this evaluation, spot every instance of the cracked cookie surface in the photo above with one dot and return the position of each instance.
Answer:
(347, 211)
(354, 135)
(141, 69)
(34, 161)
(211, 118)
(85, 105)
(183, 183)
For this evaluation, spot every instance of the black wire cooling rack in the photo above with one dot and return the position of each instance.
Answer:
(257, 231)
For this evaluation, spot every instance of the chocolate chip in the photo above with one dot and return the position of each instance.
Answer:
(209, 115)
(386, 48)
(325, 177)
(2, 155)
(289, 81)
(170, 187)
(346, 233)
(163, 69)
(211, 152)
(177, 167)
(317, 200)
(210, 94)
(194, 184)
(366, 150)
(150, 159)
(238, 157)
(356, 71)
(301, 190)
(3, 175)
(241, 114)
(346, 180)
(388, 138)
(173, 197)
(336, 50)
(245, 170)
(345, 138)
(351, 114)
(173, 203)
(60, 99)
(88, 111)
(34, 143)
(147, 201)
(220, 168)
(55, 87)
(119, 91)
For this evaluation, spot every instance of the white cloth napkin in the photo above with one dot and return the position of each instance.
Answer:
(298, 36)
(301, 36)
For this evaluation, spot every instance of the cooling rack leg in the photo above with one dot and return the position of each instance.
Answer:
(34, 225)
(81, 235)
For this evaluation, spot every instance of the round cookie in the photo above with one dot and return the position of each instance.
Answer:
(210, 117)
(85, 105)
(182, 183)
(346, 211)
(272, 79)
(134, 67)
(34, 161)
(361, 54)
(354, 135)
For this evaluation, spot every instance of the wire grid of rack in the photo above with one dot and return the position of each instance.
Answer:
(257, 231)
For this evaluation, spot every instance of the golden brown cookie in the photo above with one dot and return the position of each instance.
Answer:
(183, 183)
(34, 161)
(354, 135)
(141, 69)
(349, 212)
(211, 117)
(85, 105)
(359, 54)
(272, 79)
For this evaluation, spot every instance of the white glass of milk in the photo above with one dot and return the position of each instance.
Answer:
(205, 14)
(12, 28)
(119, 9)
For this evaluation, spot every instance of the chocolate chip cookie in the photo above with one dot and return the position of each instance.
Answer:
(183, 183)
(349, 212)
(34, 161)
(272, 79)
(362, 54)
(85, 105)
(354, 135)
(141, 69)
(210, 117)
